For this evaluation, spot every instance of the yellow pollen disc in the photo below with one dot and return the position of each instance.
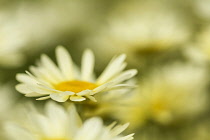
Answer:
(75, 86)
(159, 107)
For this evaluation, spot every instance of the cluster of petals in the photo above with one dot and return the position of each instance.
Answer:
(42, 79)
(58, 123)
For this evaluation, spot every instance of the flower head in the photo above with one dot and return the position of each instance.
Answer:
(60, 124)
(135, 27)
(65, 81)
(172, 94)
(11, 43)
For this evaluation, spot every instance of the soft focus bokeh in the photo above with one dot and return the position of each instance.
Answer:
(167, 41)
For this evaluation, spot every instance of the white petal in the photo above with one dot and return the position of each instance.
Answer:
(43, 124)
(24, 78)
(43, 98)
(45, 75)
(65, 62)
(40, 76)
(51, 67)
(77, 98)
(75, 121)
(91, 98)
(61, 97)
(111, 125)
(119, 129)
(128, 137)
(123, 85)
(101, 88)
(33, 94)
(23, 88)
(84, 92)
(58, 118)
(113, 68)
(29, 79)
(87, 65)
(40, 90)
(38, 81)
(93, 124)
(124, 76)
(35, 71)
(52, 109)
(48, 88)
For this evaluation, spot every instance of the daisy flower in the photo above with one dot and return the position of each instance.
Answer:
(65, 81)
(135, 27)
(59, 123)
(172, 94)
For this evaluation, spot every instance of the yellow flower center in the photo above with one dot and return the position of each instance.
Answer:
(75, 86)
(159, 107)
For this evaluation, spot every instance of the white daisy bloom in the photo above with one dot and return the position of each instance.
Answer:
(63, 82)
(60, 124)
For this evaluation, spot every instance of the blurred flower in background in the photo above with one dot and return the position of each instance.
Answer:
(168, 95)
(11, 42)
(37, 24)
(135, 27)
